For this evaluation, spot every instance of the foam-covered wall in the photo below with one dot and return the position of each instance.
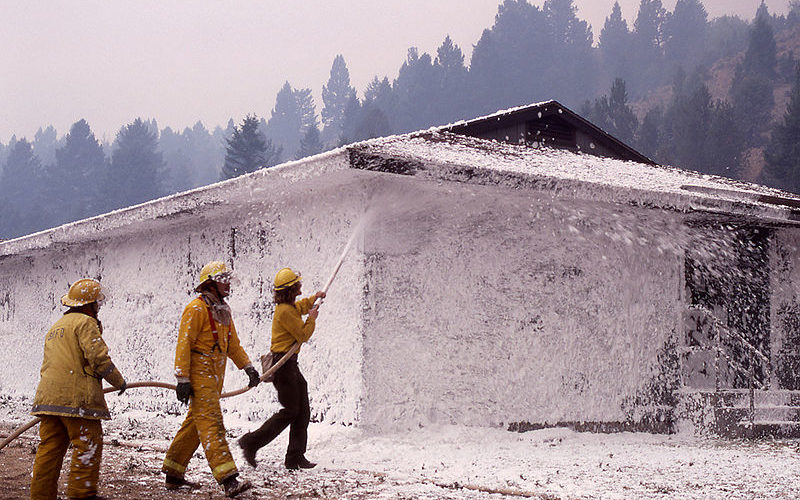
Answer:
(150, 269)
(488, 306)
(785, 310)
(459, 303)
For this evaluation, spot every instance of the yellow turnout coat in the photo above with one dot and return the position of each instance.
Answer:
(288, 326)
(75, 360)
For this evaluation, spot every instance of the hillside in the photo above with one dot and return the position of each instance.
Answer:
(719, 79)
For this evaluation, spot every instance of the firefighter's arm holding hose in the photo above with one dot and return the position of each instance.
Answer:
(95, 352)
(238, 355)
(289, 317)
(313, 312)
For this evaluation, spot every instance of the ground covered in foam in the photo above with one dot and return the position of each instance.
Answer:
(442, 462)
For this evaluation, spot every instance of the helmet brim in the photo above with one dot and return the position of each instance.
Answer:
(65, 300)
(230, 277)
(290, 284)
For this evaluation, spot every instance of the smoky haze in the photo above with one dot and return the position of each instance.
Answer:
(183, 61)
(118, 103)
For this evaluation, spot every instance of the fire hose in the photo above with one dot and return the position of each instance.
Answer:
(264, 376)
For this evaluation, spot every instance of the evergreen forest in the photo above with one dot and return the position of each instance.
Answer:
(719, 96)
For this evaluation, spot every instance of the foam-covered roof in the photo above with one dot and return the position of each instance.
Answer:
(452, 157)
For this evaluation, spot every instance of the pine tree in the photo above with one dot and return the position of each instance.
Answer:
(352, 118)
(647, 47)
(248, 150)
(648, 137)
(598, 113)
(613, 114)
(530, 55)
(335, 96)
(571, 54)
(180, 173)
(77, 177)
(507, 66)
(724, 145)
(761, 55)
(311, 143)
(9, 221)
(649, 25)
(685, 33)
(753, 101)
(782, 155)
(45, 143)
(308, 112)
(284, 123)
(415, 90)
(373, 123)
(614, 44)
(136, 166)
(193, 157)
(689, 122)
(206, 153)
(565, 25)
(451, 74)
(4, 151)
(450, 59)
(623, 119)
(725, 37)
(752, 88)
(20, 191)
(379, 95)
(294, 112)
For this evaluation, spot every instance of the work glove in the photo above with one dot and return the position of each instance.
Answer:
(253, 374)
(184, 392)
(122, 387)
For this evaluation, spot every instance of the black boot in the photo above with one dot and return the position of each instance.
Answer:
(233, 486)
(298, 463)
(176, 483)
(248, 451)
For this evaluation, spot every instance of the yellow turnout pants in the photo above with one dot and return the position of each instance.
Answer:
(56, 434)
(203, 423)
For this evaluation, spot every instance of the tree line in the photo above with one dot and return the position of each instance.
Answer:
(529, 54)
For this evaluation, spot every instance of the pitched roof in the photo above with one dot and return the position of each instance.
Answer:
(547, 123)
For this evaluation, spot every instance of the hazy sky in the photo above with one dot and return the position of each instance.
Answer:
(179, 61)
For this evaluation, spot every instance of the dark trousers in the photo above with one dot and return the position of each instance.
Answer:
(293, 396)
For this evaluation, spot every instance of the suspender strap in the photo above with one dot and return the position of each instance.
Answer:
(214, 330)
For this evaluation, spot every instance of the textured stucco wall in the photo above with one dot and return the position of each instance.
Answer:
(785, 310)
(151, 269)
(487, 307)
(460, 303)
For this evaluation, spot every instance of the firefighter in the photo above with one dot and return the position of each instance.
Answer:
(206, 338)
(70, 399)
(288, 327)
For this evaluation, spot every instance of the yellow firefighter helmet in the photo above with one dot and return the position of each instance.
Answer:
(214, 270)
(286, 278)
(82, 292)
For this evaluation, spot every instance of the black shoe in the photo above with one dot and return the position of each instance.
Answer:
(299, 463)
(176, 483)
(233, 486)
(248, 452)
